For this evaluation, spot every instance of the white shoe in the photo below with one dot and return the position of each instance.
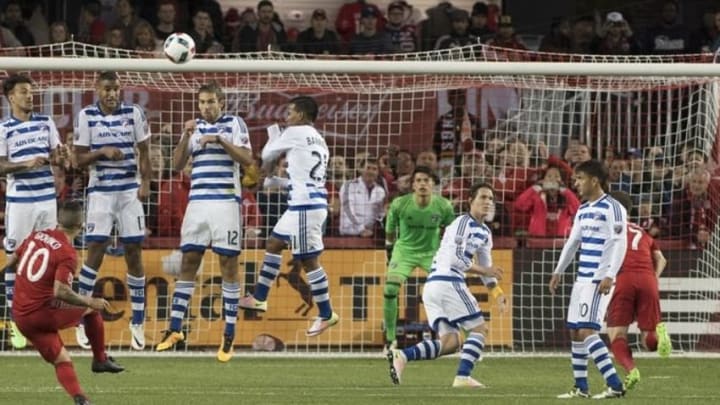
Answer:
(397, 361)
(319, 325)
(81, 337)
(467, 382)
(610, 393)
(575, 392)
(137, 336)
(389, 347)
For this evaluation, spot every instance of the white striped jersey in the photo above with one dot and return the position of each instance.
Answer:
(24, 140)
(215, 175)
(600, 231)
(307, 157)
(123, 128)
(464, 240)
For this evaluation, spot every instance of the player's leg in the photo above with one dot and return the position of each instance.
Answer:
(578, 351)
(227, 237)
(52, 351)
(19, 222)
(461, 305)
(620, 314)
(131, 224)
(653, 332)
(195, 237)
(399, 270)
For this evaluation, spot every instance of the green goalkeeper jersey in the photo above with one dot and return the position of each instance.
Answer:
(418, 227)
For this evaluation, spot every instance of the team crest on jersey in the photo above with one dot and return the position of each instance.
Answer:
(11, 244)
(125, 122)
(90, 227)
(435, 218)
(44, 128)
(618, 228)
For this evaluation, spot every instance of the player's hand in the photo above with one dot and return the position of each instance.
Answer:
(492, 271)
(143, 191)
(36, 162)
(206, 139)
(189, 128)
(605, 285)
(112, 153)
(502, 303)
(99, 304)
(554, 282)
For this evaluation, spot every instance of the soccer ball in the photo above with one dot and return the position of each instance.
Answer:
(179, 47)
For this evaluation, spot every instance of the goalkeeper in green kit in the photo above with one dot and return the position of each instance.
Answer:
(412, 237)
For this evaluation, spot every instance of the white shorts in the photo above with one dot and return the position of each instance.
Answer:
(23, 218)
(216, 223)
(123, 209)
(587, 306)
(302, 230)
(451, 302)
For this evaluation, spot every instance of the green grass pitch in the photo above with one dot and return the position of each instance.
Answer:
(345, 381)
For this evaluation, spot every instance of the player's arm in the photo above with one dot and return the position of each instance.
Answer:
(391, 227)
(571, 246)
(145, 168)
(239, 154)
(618, 241)
(64, 292)
(83, 155)
(181, 154)
(275, 147)
(659, 261)
(13, 167)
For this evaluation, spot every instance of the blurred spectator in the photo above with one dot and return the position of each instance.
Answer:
(435, 26)
(248, 18)
(479, 22)
(172, 202)
(619, 178)
(268, 34)
(577, 152)
(59, 32)
(473, 170)
(715, 46)
(703, 38)
(214, 11)
(272, 197)
(669, 36)
(459, 35)
(505, 37)
(347, 23)
(558, 40)
(145, 40)
(371, 40)
(14, 21)
(115, 37)
(318, 39)
(127, 19)
(166, 20)
(615, 37)
(362, 203)
(652, 223)
(695, 209)
(456, 131)
(404, 167)
(583, 32)
(550, 204)
(91, 29)
(158, 167)
(233, 25)
(403, 35)
(202, 33)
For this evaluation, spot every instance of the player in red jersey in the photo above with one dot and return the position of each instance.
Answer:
(637, 297)
(45, 302)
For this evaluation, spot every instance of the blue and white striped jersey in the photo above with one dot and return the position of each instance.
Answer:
(215, 175)
(124, 128)
(600, 231)
(24, 140)
(307, 158)
(464, 240)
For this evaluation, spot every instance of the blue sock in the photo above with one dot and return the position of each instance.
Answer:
(268, 273)
(181, 299)
(136, 286)
(471, 353)
(319, 287)
(86, 280)
(425, 350)
(599, 352)
(579, 365)
(231, 296)
(9, 288)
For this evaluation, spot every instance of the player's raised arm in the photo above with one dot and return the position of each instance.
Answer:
(181, 154)
(274, 148)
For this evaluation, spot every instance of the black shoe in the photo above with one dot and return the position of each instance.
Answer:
(81, 400)
(107, 366)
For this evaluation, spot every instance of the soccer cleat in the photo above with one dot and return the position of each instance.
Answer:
(17, 339)
(389, 347)
(632, 379)
(137, 336)
(664, 345)
(226, 352)
(250, 303)
(467, 382)
(397, 361)
(575, 392)
(319, 325)
(610, 393)
(81, 400)
(81, 337)
(107, 366)
(169, 340)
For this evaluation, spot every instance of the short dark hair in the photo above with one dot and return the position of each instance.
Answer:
(212, 87)
(426, 170)
(623, 198)
(372, 160)
(107, 75)
(594, 168)
(12, 81)
(263, 3)
(306, 105)
(477, 186)
(70, 214)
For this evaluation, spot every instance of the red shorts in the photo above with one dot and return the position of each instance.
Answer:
(636, 297)
(41, 328)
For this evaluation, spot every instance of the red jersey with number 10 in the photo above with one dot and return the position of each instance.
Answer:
(45, 256)
(640, 248)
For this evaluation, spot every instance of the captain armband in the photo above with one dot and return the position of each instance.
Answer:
(496, 292)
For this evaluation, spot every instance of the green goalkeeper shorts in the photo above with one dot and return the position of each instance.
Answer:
(403, 264)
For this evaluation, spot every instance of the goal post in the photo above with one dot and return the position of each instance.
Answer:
(654, 120)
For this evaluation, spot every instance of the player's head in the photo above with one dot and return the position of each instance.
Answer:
(18, 90)
(107, 87)
(482, 201)
(590, 179)
(211, 101)
(623, 198)
(424, 181)
(302, 110)
(70, 217)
